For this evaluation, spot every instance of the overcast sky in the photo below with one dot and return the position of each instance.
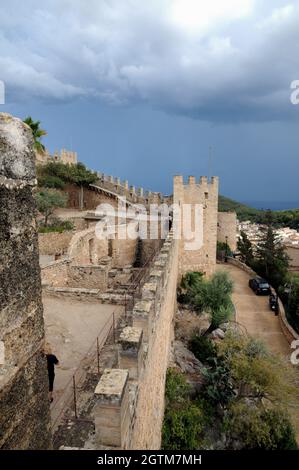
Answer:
(142, 89)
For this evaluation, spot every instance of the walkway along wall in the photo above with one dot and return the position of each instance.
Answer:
(24, 406)
(129, 406)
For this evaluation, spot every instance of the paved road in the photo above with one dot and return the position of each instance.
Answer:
(253, 313)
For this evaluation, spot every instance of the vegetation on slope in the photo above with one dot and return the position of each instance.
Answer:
(212, 296)
(242, 403)
(286, 218)
(56, 174)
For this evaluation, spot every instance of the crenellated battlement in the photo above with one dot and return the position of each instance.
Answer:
(123, 188)
(178, 180)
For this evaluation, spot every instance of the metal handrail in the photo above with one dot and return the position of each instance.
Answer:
(71, 387)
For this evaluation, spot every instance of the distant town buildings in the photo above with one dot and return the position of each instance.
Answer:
(288, 237)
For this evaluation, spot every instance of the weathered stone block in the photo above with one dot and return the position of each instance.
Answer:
(149, 290)
(111, 412)
(142, 316)
(130, 354)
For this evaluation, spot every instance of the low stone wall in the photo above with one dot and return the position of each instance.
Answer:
(90, 277)
(287, 330)
(53, 243)
(242, 266)
(129, 407)
(86, 295)
(56, 273)
(63, 273)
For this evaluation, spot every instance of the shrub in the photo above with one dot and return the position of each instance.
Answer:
(210, 295)
(218, 388)
(176, 387)
(48, 200)
(223, 248)
(183, 420)
(57, 225)
(190, 283)
(257, 373)
(203, 348)
(258, 428)
(182, 428)
(49, 181)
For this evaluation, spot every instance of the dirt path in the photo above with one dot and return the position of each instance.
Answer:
(253, 313)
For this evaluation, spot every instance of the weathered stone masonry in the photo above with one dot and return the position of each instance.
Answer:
(24, 407)
(130, 400)
(203, 193)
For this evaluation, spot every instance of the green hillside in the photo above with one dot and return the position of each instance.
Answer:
(243, 211)
(287, 218)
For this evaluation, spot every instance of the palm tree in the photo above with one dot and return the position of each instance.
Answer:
(37, 133)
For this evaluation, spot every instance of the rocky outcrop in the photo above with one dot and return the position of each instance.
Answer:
(24, 407)
(188, 364)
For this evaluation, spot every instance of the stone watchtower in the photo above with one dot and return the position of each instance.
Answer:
(205, 195)
(24, 406)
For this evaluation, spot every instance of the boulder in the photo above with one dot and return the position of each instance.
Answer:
(218, 334)
(185, 359)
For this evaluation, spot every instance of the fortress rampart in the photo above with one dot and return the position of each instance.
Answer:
(122, 188)
(129, 406)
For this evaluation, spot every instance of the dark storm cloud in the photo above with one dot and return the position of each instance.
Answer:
(216, 61)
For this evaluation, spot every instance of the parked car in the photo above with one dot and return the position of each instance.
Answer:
(260, 286)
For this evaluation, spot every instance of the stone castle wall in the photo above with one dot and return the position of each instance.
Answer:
(66, 156)
(24, 406)
(205, 194)
(227, 227)
(129, 406)
(160, 293)
(133, 194)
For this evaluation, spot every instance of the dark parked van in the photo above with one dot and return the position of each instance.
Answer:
(260, 286)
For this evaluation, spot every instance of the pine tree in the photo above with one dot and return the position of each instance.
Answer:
(272, 260)
(245, 248)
